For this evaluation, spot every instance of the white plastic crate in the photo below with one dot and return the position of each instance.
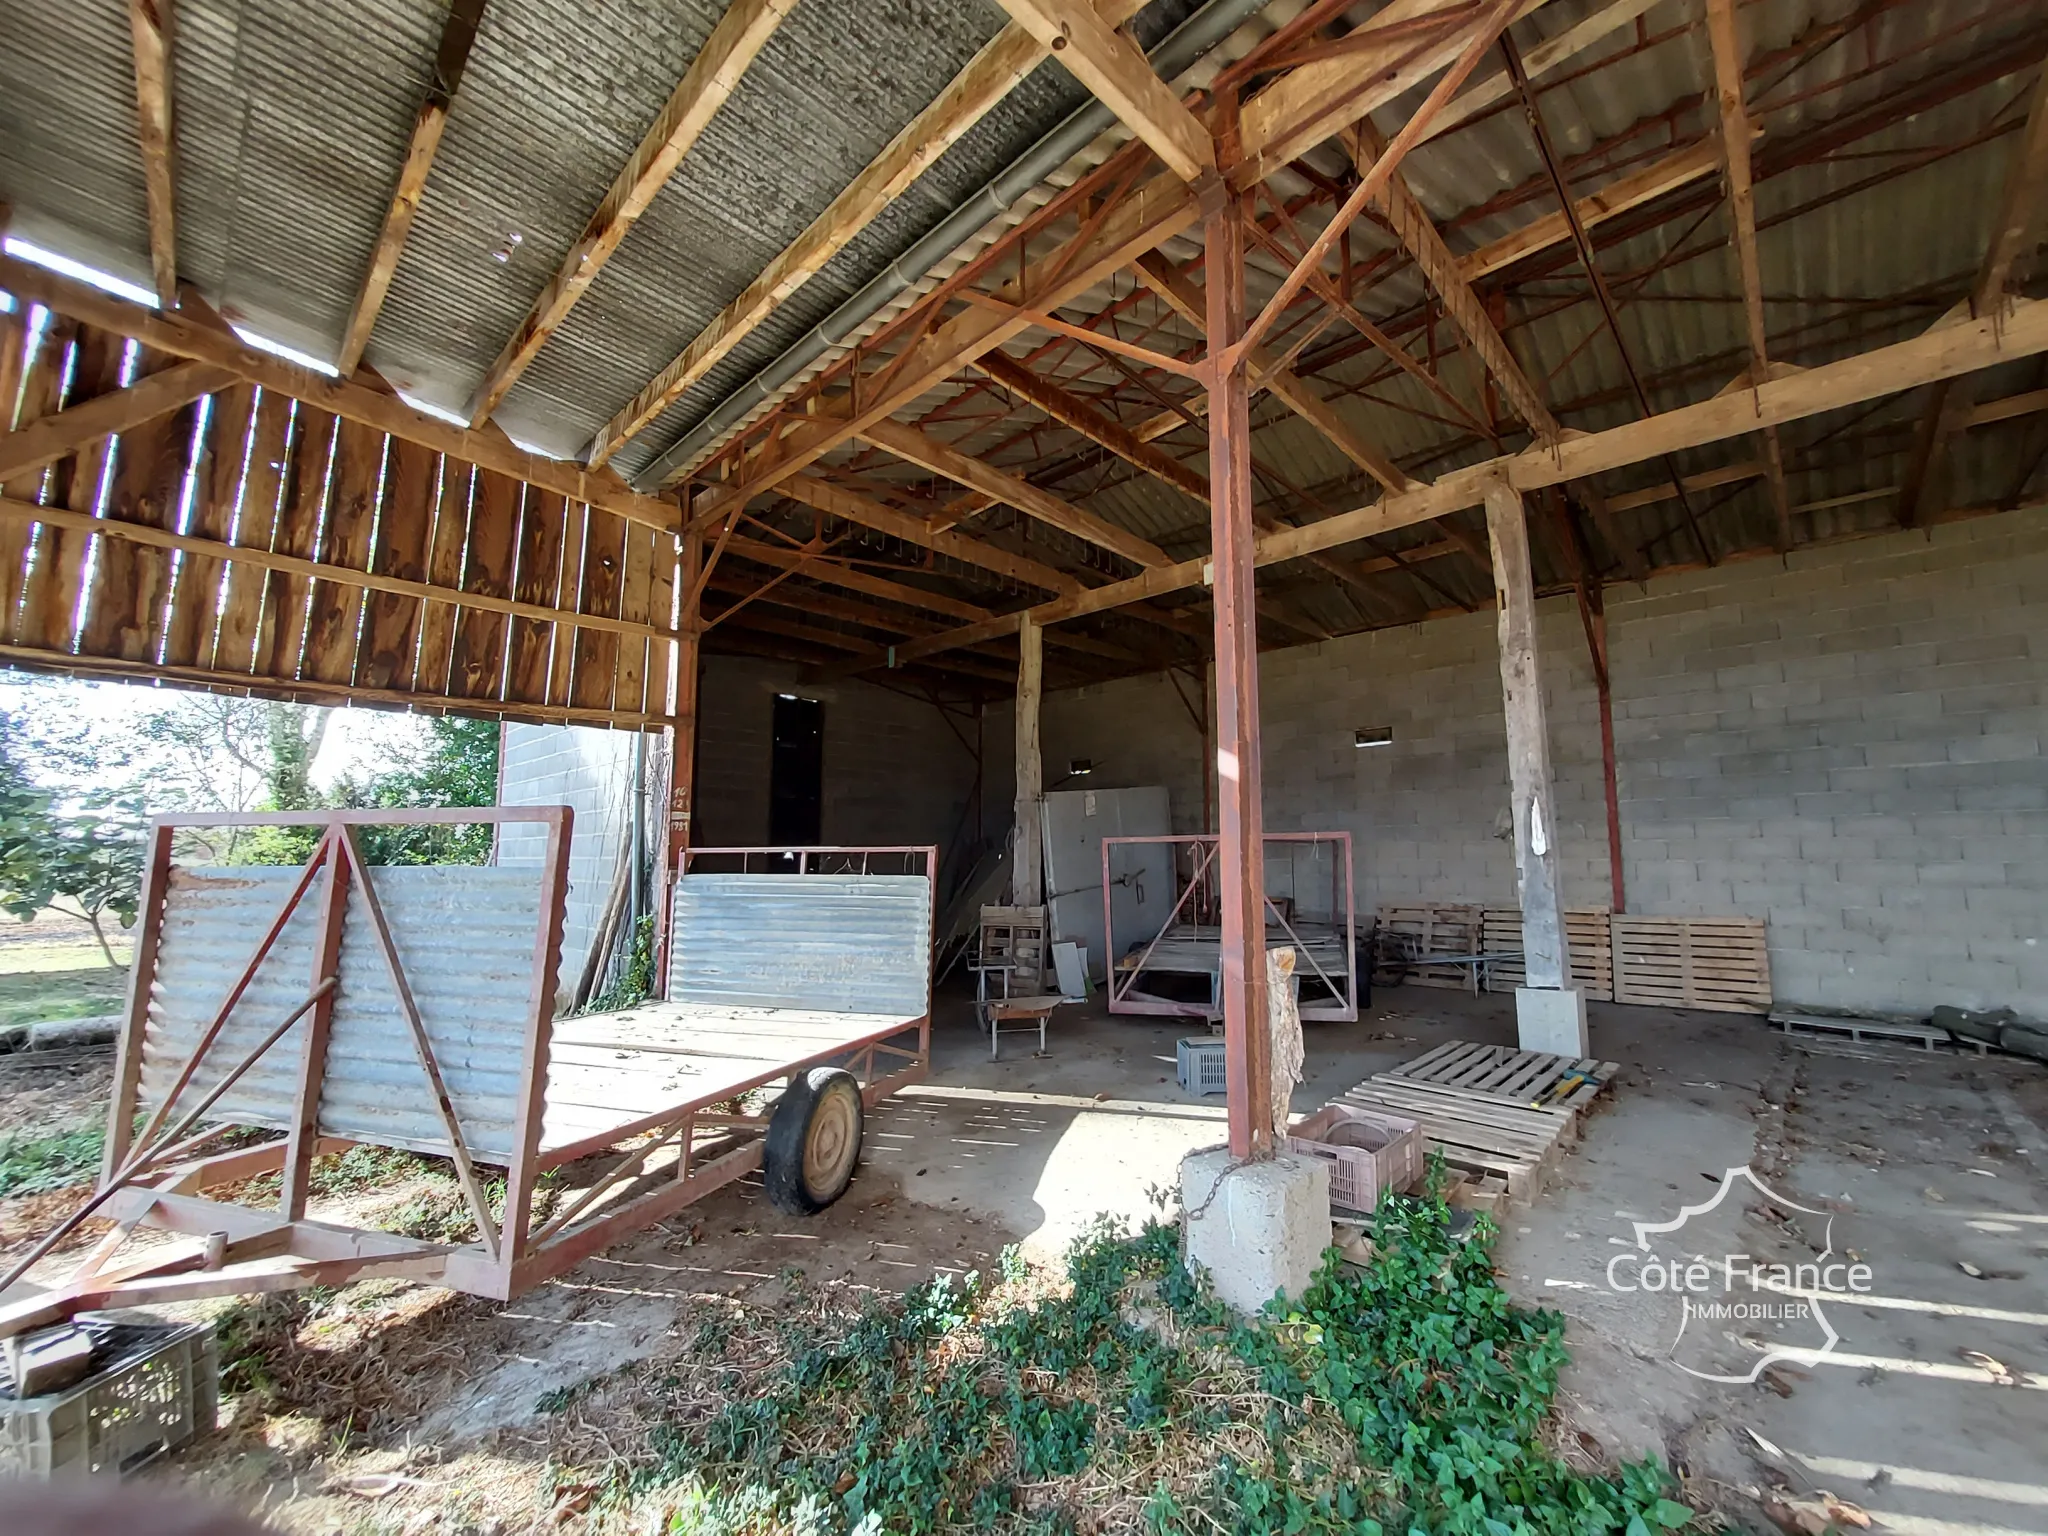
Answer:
(157, 1390)
(1200, 1063)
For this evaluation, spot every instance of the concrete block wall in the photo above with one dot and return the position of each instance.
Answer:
(590, 771)
(1847, 742)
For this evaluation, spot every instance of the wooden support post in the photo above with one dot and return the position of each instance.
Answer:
(1241, 864)
(1027, 851)
(1545, 959)
(305, 1127)
(682, 748)
(1593, 610)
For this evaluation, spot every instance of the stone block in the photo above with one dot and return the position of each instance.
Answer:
(1552, 1020)
(1259, 1229)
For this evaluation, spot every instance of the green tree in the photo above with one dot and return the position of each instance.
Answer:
(89, 857)
(456, 765)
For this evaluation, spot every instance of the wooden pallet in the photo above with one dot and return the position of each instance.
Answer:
(1587, 936)
(1503, 1074)
(1923, 1036)
(1485, 1138)
(1692, 962)
(1408, 935)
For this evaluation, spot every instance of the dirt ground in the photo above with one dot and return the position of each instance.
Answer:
(407, 1409)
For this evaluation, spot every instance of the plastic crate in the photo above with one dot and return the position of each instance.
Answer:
(1368, 1153)
(1200, 1062)
(157, 1390)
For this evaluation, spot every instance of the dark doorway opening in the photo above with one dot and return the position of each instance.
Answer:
(796, 772)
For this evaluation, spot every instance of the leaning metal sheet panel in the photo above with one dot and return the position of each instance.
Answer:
(213, 919)
(465, 936)
(842, 943)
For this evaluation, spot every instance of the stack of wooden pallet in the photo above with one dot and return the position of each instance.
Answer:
(1720, 963)
(1586, 936)
(1501, 1116)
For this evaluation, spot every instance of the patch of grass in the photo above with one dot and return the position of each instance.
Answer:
(29, 1165)
(1410, 1395)
(76, 992)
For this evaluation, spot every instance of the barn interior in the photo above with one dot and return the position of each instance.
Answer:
(1531, 505)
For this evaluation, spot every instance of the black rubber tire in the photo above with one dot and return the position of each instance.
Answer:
(820, 1103)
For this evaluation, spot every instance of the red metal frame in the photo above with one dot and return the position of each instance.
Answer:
(156, 1179)
(1124, 1000)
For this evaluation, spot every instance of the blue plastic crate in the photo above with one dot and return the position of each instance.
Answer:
(1200, 1061)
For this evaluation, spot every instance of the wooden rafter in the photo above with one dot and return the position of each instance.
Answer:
(1115, 69)
(2012, 238)
(1945, 353)
(451, 58)
(183, 334)
(149, 25)
(988, 77)
(711, 78)
(49, 438)
(1643, 185)
(840, 501)
(1417, 232)
(1097, 425)
(926, 451)
(1185, 298)
(1735, 135)
(1277, 125)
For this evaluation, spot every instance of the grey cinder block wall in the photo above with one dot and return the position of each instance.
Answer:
(1846, 742)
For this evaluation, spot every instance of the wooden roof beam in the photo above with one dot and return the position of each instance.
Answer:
(451, 58)
(1115, 69)
(1185, 298)
(1093, 423)
(1277, 125)
(182, 333)
(1002, 64)
(49, 438)
(1726, 44)
(927, 452)
(1643, 185)
(1943, 353)
(149, 27)
(836, 500)
(711, 79)
(2013, 237)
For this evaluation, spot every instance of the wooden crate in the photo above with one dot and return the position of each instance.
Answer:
(1692, 962)
(1407, 935)
(1586, 933)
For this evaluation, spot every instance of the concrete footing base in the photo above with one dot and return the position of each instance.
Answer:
(1259, 1229)
(1553, 1020)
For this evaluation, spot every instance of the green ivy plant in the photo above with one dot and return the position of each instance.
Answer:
(1405, 1396)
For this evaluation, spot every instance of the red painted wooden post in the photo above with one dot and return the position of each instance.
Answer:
(1239, 821)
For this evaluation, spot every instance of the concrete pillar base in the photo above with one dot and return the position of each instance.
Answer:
(1260, 1229)
(1553, 1020)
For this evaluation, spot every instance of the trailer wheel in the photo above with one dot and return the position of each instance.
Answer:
(814, 1141)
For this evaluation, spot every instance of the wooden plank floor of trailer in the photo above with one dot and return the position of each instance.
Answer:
(613, 1075)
